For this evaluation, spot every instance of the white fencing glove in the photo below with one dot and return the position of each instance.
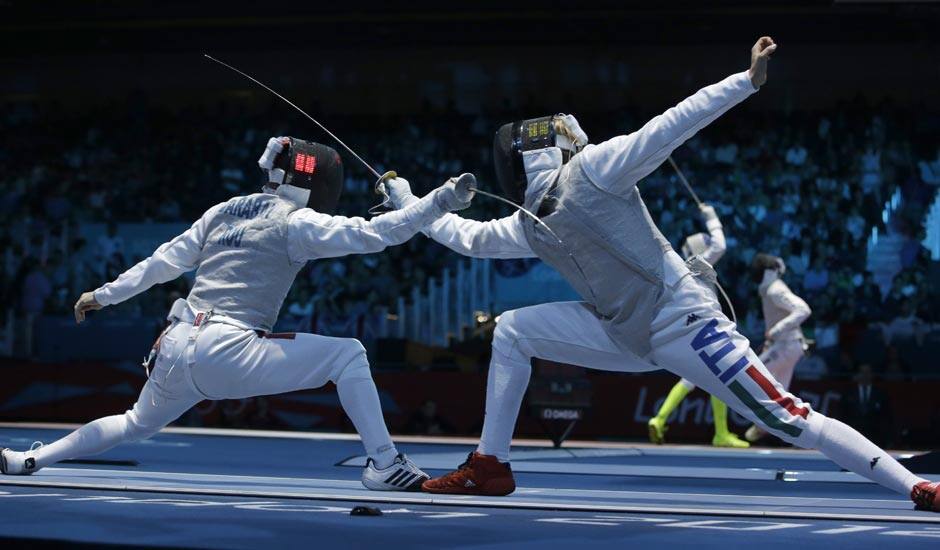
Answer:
(708, 212)
(456, 194)
(399, 192)
(266, 162)
(570, 135)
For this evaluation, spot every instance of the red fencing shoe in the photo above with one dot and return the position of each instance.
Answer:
(926, 496)
(479, 475)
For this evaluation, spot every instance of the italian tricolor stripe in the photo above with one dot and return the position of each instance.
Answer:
(771, 391)
(763, 414)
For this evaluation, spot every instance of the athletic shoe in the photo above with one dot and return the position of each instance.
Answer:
(754, 434)
(926, 496)
(729, 440)
(402, 475)
(19, 464)
(657, 427)
(479, 475)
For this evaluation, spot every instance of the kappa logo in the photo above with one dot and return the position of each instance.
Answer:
(691, 319)
(30, 463)
(874, 462)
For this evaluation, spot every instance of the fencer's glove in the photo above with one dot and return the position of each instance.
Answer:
(708, 212)
(456, 193)
(266, 162)
(399, 193)
(572, 131)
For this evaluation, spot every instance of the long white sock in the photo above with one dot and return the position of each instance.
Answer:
(360, 400)
(505, 387)
(854, 452)
(93, 438)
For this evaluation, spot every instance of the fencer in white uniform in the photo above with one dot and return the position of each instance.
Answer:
(247, 252)
(643, 307)
(784, 313)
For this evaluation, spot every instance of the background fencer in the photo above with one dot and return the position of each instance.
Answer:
(711, 247)
(784, 313)
(246, 253)
(642, 305)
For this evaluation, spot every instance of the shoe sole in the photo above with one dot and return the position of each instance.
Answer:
(413, 487)
(489, 490)
(3, 461)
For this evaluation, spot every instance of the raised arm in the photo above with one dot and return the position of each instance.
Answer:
(314, 235)
(781, 296)
(717, 246)
(619, 163)
(168, 262)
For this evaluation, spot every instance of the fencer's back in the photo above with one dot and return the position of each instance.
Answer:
(245, 271)
(618, 252)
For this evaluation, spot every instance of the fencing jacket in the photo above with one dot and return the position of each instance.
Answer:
(248, 250)
(784, 311)
(613, 254)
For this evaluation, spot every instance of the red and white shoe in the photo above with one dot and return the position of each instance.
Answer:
(926, 496)
(479, 475)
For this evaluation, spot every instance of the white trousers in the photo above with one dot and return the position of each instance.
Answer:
(226, 362)
(690, 337)
(781, 358)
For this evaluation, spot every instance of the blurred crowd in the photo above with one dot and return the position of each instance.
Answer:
(808, 186)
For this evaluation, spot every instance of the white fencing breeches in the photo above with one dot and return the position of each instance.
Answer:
(690, 337)
(225, 362)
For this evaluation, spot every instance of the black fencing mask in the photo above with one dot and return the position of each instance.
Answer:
(310, 166)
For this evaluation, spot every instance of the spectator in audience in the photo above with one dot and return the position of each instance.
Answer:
(811, 366)
(906, 326)
(817, 276)
(868, 407)
(427, 421)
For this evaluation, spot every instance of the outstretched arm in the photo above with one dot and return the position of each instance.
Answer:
(503, 238)
(781, 296)
(619, 163)
(168, 262)
(312, 235)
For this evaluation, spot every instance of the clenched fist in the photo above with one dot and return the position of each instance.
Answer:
(760, 56)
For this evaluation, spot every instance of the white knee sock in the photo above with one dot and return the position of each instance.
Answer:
(505, 388)
(91, 439)
(854, 452)
(360, 400)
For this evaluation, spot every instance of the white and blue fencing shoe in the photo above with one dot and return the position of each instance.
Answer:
(402, 475)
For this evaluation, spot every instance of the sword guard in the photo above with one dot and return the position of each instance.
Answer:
(385, 177)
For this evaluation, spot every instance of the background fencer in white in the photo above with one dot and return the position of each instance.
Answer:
(689, 335)
(784, 313)
(712, 246)
(229, 355)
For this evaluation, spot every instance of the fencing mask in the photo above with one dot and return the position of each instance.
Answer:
(696, 245)
(515, 138)
(766, 262)
(306, 172)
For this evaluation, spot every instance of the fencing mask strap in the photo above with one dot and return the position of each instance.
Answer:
(298, 169)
